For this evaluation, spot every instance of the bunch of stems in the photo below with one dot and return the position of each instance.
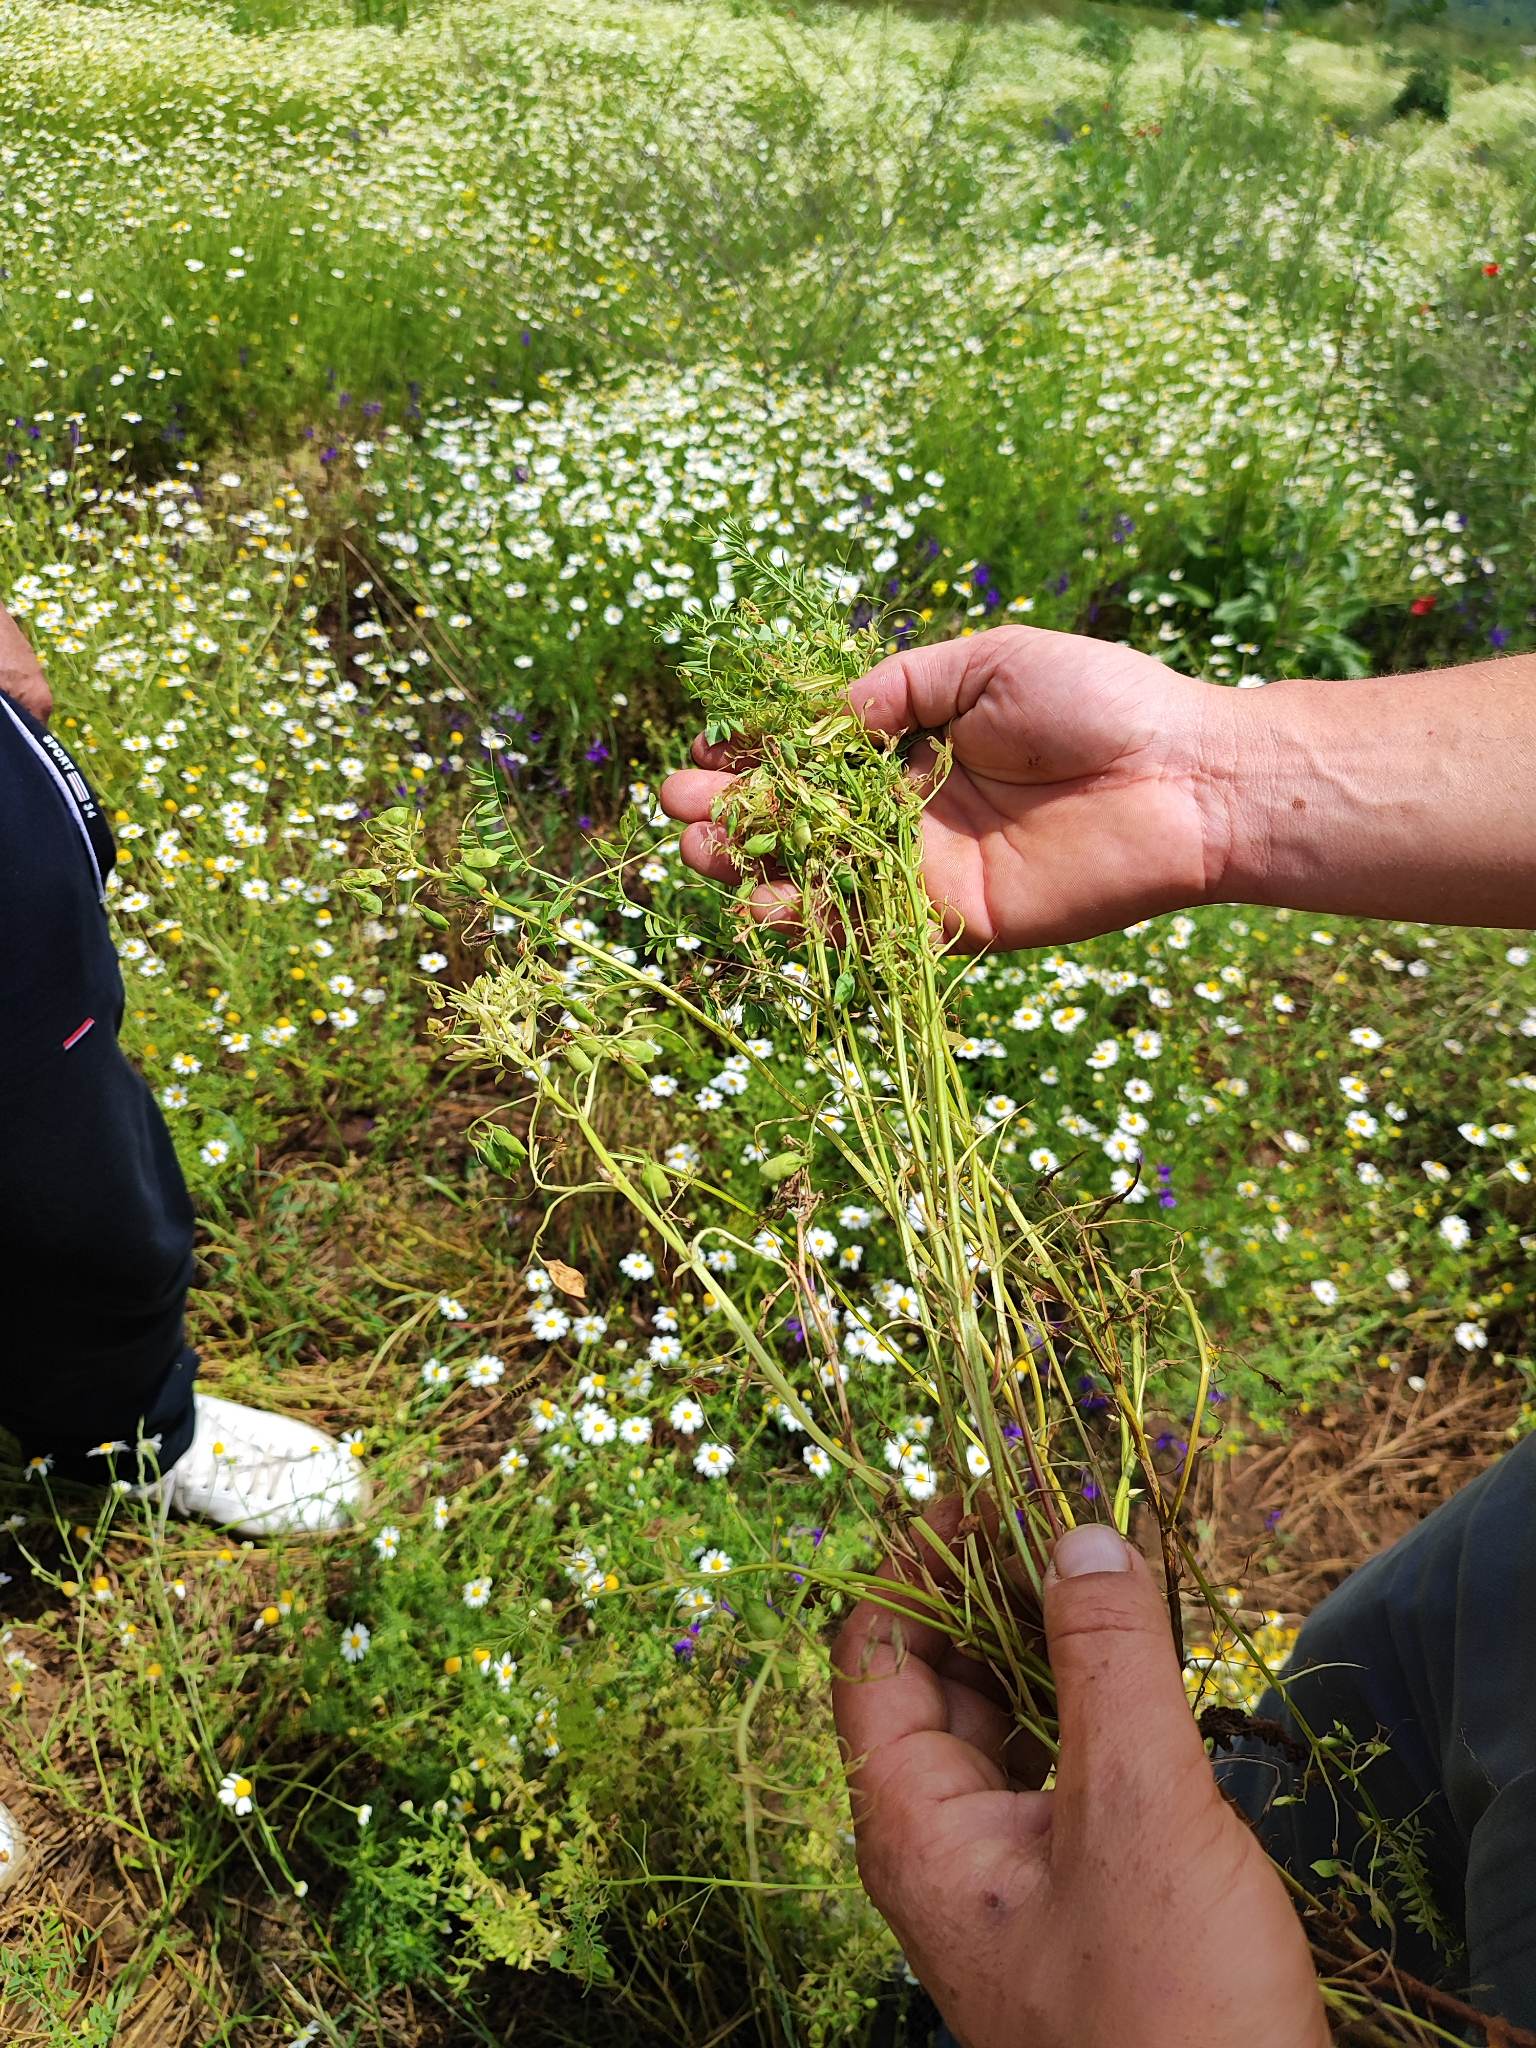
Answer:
(1015, 1298)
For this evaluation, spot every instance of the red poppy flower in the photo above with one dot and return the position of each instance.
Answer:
(1490, 270)
(1421, 605)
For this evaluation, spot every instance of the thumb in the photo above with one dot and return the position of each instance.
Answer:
(922, 688)
(1126, 1729)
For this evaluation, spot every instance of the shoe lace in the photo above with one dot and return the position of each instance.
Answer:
(257, 1478)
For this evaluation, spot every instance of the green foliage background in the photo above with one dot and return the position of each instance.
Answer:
(374, 379)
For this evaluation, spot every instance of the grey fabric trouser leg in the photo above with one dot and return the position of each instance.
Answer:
(1432, 1645)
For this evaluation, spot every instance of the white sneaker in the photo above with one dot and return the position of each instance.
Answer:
(260, 1474)
(13, 1848)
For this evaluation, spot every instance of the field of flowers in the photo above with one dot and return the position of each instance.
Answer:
(377, 381)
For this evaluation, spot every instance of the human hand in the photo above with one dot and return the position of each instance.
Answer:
(1130, 1907)
(1082, 796)
(21, 675)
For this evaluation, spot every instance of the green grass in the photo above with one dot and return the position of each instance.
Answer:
(1167, 334)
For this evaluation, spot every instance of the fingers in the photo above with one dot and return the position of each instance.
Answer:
(690, 795)
(1125, 1725)
(707, 849)
(880, 1639)
(732, 755)
(900, 1719)
(777, 905)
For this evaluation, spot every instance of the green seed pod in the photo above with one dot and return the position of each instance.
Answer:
(765, 1625)
(481, 857)
(434, 918)
(641, 1049)
(502, 1150)
(576, 1059)
(580, 1011)
(800, 833)
(781, 1166)
(759, 844)
(657, 1183)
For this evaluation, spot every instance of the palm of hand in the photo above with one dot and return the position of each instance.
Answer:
(1160, 1924)
(1070, 807)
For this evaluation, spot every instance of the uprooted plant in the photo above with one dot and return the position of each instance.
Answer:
(1048, 1360)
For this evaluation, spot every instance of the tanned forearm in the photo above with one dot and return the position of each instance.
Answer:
(1407, 796)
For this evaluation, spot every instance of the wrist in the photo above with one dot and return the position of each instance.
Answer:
(1252, 766)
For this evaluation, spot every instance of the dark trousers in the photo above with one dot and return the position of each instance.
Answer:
(95, 1222)
(1432, 1646)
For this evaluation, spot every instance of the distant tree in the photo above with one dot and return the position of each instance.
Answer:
(1108, 42)
(1426, 90)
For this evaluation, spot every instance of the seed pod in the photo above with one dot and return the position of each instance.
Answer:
(800, 833)
(576, 1059)
(434, 918)
(781, 1166)
(657, 1183)
(765, 1625)
(481, 857)
(759, 844)
(641, 1049)
(580, 1011)
(501, 1149)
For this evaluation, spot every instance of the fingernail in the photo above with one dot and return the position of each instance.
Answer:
(1092, 1548)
